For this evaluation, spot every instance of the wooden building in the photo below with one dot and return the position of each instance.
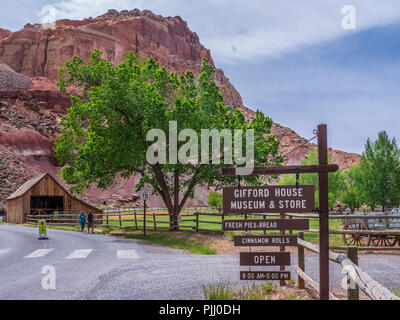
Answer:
(44, 195)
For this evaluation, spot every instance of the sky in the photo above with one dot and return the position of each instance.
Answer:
(291, 59)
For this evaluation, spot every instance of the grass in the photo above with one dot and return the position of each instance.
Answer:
(226, 290)
(174, 240)
(397, 293)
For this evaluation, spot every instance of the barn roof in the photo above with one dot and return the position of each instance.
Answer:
(30, 183)
(26, 186)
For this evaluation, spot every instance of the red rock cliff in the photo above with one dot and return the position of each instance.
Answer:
(30, 109)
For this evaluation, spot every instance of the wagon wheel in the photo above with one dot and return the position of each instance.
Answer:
(384, 241)
(356, 239)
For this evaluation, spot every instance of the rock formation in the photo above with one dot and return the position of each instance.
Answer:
(31, 105)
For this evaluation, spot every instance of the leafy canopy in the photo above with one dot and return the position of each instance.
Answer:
(378, 174)
(215, 200)
(312, 179)
(104, 132)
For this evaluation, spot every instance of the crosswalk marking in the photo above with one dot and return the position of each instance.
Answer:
(80, 254)
(127, 254)
(4, 251)
(38, 253)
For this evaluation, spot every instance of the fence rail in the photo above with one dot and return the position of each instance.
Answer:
(203, 222)
(372, 288)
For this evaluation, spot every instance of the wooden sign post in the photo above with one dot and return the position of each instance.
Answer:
(323, 168)
(144, 195)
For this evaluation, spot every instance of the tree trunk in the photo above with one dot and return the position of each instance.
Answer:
(174, 226)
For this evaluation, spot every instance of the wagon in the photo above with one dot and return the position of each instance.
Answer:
(373, 221)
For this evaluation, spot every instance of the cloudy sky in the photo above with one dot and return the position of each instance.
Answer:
(291, 59)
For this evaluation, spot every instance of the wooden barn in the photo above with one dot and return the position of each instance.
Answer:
(44, 195)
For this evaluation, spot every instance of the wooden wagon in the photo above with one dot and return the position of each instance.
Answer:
(388, 225)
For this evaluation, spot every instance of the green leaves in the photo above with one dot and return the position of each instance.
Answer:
(104, 132)
(378, 174)
(215, 200)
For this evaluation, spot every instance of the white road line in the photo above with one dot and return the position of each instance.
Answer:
(127, 254)
(38, 253)
(4, 251)
(80, 254)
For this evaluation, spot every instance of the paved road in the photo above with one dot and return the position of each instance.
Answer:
(103, 267)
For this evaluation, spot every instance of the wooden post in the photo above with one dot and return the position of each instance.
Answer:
(290, 231)
(107, 221)
(265, 231)
(136, 224)
(301, 260)
(154, 221)
(282, 249)
(144, 218)
(120, 220)
(353, 294)
(323, 214)
(223, 218)
(197, 222)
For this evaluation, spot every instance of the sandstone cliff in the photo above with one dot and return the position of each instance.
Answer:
(31, 105)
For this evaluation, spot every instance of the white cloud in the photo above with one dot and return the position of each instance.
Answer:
(253, 29)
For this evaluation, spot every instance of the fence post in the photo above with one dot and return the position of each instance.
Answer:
(300, 255)
(265, 218)
(107, 221)
(353, 293)
(291, 230)
(197, 222)
(136, 225)
(120, 220)
(222, 225)
(154, 221)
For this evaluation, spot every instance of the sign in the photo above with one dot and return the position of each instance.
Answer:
(268, 199)
(260, 241)
(145, 194)
(265, 258)
(42, 229)
(265, 275)
(272, 224)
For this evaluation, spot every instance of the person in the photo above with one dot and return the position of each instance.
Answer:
(82, 220)
(90, 221)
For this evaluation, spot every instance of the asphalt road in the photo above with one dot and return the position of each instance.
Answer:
(102, 267)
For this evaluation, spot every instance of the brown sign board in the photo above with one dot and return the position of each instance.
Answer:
(268, 199)
(264, 275)
(271, 224)
(264, 241)
(265, 258)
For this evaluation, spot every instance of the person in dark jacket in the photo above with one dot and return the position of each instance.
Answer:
(90, 222)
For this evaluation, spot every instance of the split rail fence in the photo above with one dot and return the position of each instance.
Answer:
(349, 262)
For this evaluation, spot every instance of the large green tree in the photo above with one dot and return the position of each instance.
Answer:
(378, 174)
(105, 131)
(312, 179)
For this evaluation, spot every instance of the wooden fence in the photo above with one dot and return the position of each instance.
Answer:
(133, 218)
(349, 262)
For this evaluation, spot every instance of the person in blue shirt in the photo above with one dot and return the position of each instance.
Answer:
(82, 220)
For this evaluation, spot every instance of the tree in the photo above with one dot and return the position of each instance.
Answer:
(215, 200)
(349, 193)
(378, 175)
(105, 131)
(312, 179)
